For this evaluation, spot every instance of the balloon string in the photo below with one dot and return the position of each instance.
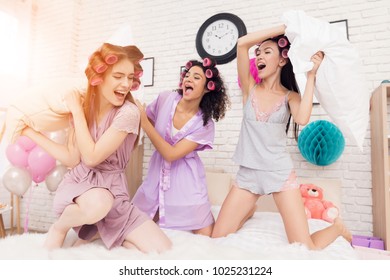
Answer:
(28, 209)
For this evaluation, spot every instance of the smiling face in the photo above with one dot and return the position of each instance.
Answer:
(268, 59)
(194, 83)
(117, 83)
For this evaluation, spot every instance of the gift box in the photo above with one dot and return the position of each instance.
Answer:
(368, 241)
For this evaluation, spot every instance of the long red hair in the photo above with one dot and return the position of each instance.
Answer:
(99, 62)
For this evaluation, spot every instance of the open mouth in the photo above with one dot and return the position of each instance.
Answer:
(260, 66)
(188, 89)
(120, 94)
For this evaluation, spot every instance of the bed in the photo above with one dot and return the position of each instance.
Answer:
(262, 237)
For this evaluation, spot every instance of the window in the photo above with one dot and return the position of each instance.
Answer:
(8, 47)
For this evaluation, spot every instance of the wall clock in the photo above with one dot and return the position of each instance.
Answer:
(217, 37)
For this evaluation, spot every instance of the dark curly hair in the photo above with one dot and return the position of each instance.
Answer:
(287, 76)
(215, 102)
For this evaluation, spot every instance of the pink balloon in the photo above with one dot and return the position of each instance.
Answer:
(16, 155)
(25, 143)
(38, 178)
(40, 164)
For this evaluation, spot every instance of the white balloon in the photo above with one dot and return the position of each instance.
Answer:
(54, 178)
(17, 180)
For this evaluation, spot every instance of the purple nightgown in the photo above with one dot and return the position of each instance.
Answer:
(110, 174)
(177, 189)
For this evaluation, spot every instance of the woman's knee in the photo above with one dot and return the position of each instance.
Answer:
(148, 237)
(237, 208)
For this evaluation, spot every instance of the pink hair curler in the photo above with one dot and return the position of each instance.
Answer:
(209, 73)
(138, 74)
(111, 59)
(96, 81)
(206, 62)
(285, 53)
(100, 68)
(211, 85)
(180, 85)
(188, 65)
(282, 42)
(135, 86)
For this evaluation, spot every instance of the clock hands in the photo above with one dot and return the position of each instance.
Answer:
(224, 35)
(220, 37)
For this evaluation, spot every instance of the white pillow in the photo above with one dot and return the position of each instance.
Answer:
(340, 88)
(41, 107)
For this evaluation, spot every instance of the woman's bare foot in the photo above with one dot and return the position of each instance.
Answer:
(55, 238)
(344, 232)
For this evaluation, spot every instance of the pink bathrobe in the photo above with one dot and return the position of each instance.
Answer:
(109, 174)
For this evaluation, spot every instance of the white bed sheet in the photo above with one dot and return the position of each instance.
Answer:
(262, 237)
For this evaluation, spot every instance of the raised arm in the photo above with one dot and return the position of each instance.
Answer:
(169, 153)
(301, 107)
(244, 43)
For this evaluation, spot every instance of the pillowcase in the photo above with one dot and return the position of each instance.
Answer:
(339, 87)
(41, 107)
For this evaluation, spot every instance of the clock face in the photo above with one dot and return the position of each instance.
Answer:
(220, 37)
(217, 37)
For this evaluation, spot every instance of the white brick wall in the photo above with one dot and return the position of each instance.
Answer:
(64, 33)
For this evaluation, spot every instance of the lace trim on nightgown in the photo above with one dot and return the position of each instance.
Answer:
(264, 116)
(127, 119)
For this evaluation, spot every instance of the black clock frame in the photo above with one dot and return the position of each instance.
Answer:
(222, 59)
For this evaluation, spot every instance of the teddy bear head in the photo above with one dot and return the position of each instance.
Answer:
(311, 191)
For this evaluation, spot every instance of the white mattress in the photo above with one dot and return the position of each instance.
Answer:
(262, 237)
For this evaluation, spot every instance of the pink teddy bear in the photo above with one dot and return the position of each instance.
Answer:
(315, 206)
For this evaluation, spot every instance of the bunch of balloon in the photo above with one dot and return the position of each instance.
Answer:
(29, 163)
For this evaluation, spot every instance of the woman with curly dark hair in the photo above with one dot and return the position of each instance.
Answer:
(179, 124)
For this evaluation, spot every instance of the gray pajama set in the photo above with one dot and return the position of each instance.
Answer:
(261, 152)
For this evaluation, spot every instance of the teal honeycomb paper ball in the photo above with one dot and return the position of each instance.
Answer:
(321, 143)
